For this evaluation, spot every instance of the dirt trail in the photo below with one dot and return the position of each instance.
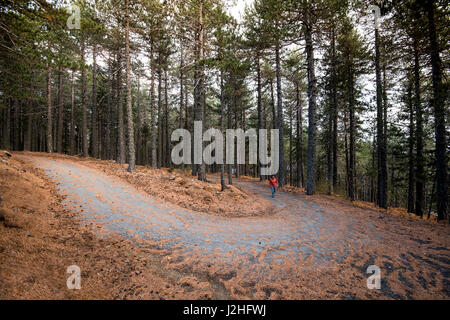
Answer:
(306, 250)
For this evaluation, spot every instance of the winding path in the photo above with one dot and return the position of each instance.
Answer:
(301, 231)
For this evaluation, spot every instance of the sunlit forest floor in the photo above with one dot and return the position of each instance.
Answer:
(160, 234)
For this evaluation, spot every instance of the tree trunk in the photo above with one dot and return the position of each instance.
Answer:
(259, 89)
(281, 173)
(109, 112)
(373, 197)
(385, 132)
(300, 175)
(291, 147)
(334, 111)
(72, 115)
(166, 139)
(59, 139)
(438, 103)
(131, 150)
(83, 101)
(121, 134)
(181, 87)
(222, 102)
(351, 178)
(182, 96)
(381, 148)
(140, 114)
(312, 97)
(229, 168)
(347, 157)
(152, 106)
(420, 159)
(160, 117)
(30, 118)
(330, 153)
(198, 109)
(49, 110)
(94, 124)
(411, 161)
(272, 102)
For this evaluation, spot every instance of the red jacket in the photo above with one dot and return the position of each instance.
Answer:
(273, 182)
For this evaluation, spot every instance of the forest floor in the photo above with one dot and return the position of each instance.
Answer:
(141, 236)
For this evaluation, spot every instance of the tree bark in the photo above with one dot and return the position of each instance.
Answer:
(166, 139)
(152, 106)
(330, 153)
(438, 103)
(94, 122)
(229, 168)
(420, 159)
(83, 102)
(29, 120)
(49, 110)
(160, 116)
(351, 178)
(222, 102)
(411, 159)
(281, 173)
(181, 87)
(291, 147)
(109, 112)
(121, 134)
(272, 102)
(72, 115)
(381, 148)
(139, 133)
(312, 97)
(198, 109)
(182, 96)
(131, 150)
(259, 89)
(59, 140)
(334, 137)
(300, 175)
(385, 131)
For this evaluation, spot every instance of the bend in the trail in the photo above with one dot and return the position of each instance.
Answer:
(301, 230)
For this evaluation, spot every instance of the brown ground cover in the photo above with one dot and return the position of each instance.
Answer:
(39, 239)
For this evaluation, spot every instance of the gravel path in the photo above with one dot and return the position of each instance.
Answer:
(300, 230)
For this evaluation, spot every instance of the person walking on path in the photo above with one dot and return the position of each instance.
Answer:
(273, 182)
